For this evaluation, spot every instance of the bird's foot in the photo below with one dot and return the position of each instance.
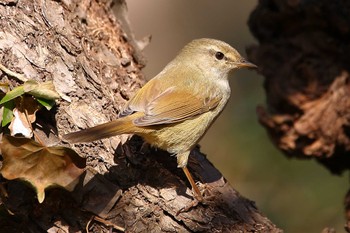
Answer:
(198, 199)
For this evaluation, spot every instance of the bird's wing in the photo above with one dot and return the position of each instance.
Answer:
(169, 106)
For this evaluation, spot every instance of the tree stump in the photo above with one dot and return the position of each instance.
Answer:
(303, 53)
(87, 49)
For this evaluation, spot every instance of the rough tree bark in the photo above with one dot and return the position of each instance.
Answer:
(304, 57)
(95, 65)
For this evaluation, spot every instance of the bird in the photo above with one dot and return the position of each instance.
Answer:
(174, 110)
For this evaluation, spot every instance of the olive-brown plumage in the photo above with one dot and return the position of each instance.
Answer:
(175, 108)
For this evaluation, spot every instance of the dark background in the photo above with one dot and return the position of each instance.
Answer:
(297, 195)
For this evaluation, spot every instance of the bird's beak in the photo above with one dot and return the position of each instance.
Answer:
(245, 64)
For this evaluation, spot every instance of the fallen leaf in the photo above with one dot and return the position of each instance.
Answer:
(41, 166)
(24, 116)
(20, 124)
(45, 90)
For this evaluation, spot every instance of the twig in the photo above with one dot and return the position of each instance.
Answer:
(105, 222)
(20, 77)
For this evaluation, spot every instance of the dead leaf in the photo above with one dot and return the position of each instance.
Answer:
(41, 166)
(24, 116)
(45, 90)
(20, 124)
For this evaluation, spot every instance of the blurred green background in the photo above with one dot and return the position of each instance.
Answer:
(297, 195)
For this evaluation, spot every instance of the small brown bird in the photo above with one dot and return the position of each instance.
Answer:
(174, 109)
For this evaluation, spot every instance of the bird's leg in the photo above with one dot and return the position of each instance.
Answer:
(195, 188)
(182, 160)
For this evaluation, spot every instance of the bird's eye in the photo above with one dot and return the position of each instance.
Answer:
(219, 55)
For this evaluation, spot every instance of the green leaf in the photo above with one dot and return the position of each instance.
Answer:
(17, 91)
(44, 90)
(30, 85)
(7, 114)
(48, 104)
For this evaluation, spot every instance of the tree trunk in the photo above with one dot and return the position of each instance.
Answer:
(304, 57)
(90, 54)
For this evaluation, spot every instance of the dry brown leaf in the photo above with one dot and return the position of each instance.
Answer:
(20, 125)
(24, 116)
(39, 165)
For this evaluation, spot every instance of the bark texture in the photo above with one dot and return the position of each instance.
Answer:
(303, 53)
(91, 56)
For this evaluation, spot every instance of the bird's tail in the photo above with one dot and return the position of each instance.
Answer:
(109, 129)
